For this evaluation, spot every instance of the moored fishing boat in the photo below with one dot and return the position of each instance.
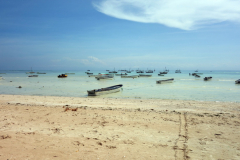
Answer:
(121, 74)
(129, 76)
(33, 76)
(107, 90)
(207, 78)
(178, 71)
(104, 77)
(40, 73)
(161, 74)
(237, 81)
(62, 76)
(165, 81)
(145, 75)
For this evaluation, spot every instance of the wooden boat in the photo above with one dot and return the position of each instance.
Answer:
(197, 76)
(165, 81)
(104, 77)
(178, 71)
(129, 76)
(149, 71)
(237, 81)
(121, 74)
(107, 90)
(207, 78)
(145, 75)
(62, 76)
(30, 72)
(163, 72)
(33, 76)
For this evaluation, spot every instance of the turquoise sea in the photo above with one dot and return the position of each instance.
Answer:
(222, 87)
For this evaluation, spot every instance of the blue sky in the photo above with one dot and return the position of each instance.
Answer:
(103, 34)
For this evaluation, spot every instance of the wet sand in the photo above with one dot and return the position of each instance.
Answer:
(38, 127)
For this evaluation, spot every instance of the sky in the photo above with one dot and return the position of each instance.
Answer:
(120, 34)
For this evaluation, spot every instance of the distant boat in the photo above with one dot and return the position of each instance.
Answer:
(197, 76)
(161, 74)
(30, 72)
(207, 78)
(104, 77)
(33, 76)
(107, 90)
(129, 76)
(62, 76)
(196, 70)
(40, 73)
(145, 75)
(121, 74)
(165, 80)
(237, 81)
(165, 72)
(178, 71)
(149, 71)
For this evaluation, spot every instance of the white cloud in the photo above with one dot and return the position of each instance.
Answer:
(89, 61)
(182, 14)
(94, 59)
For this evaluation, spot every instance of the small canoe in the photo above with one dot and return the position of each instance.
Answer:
(165, 81)
(62, 76)
(107, 90)
(132, 76)
(33, 76)
(145, 75)
(207, 78)
(237, 81)
(104, 77)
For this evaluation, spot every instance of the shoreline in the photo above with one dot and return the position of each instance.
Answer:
(110, 128)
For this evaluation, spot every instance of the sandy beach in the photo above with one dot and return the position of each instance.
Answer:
(39, 127)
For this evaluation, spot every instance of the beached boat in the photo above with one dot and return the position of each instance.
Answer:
(237, 81)
(107, 90)
(145, 75)
(62, 76)
(165, 81)
(207, 78)
(129, 76)
(33, 76)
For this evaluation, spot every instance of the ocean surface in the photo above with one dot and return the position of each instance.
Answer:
(220, 88)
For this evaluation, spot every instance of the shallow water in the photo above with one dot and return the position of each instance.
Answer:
(222, 87)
